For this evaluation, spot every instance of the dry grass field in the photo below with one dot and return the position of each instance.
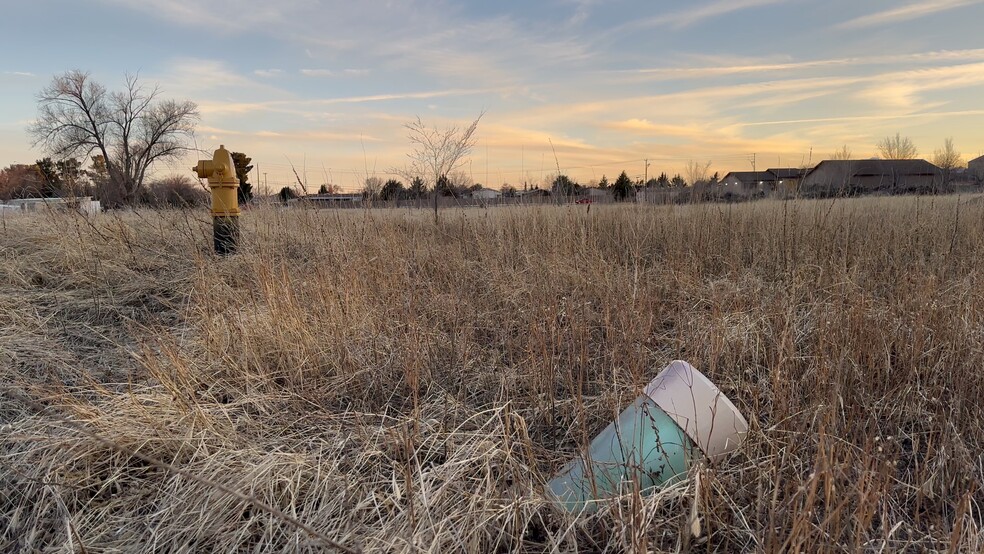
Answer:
(376, 381)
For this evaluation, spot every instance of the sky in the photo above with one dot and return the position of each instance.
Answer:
(591, 87)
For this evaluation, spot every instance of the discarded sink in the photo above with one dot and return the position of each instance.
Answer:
(680, 417)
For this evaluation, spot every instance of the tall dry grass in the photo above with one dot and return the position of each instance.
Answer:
(378, 381)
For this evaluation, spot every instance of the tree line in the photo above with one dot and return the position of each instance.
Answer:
(47, 178)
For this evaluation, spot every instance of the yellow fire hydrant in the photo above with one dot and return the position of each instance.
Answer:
(222, 179)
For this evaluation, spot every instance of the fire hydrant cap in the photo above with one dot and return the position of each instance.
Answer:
(699, 408)
(223, 165)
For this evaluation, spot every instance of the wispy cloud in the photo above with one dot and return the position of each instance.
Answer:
(20, 73)
(696, 14)
(645, 126)
(860, 118)
(317, 73)
(332, 73)
(290, 134)
(302, 107)
(582, 11)
(425, 95)
(197, 76)
(905, 89)
(266, 73)
(905, 13)
(663, 73)
(215, 16)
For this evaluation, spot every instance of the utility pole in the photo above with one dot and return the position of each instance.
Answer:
(646, 180)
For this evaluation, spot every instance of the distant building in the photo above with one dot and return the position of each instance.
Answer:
(83, 204)
(763, 181)
(837, 177)
(976, 167)
(747, 180)
(533, 193)
(332, 200)
(485, 194)
(788, 178)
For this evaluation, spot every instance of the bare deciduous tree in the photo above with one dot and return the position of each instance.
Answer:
(843, 154)
(947, 158)
(697, 172)
(435, 153)
(897, 148)
(372, 187)
(460, 181)
(131, 129)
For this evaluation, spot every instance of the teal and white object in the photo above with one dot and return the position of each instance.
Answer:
(680, 417)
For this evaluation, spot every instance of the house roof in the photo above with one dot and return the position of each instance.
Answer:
(787, 172)
(978, 159)
(750, 176)
(862, 168)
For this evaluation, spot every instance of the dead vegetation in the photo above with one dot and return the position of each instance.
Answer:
(378, 381)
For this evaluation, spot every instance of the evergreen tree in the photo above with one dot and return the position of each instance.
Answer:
(286, 194)
(444, 187)
(392, 190)
(622, 187)
(73, 181)
(418, 189)
(51, 181)
(243, 167)
(565, 186)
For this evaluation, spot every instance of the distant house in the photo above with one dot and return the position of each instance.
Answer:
(836, 177)
(763, 181)
(332, 200)
(975, 168)
(533, 193)
(788, 178)
(748, 180)
(485, 194)
(83, 204)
